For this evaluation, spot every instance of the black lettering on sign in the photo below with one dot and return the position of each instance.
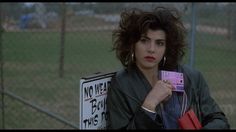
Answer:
(88, 91)
(104, 115)
(92, 121)
(101, 88)
(97, 105)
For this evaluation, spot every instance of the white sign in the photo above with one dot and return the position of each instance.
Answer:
(93, 94)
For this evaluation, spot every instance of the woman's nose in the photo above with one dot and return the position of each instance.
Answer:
(151, 47)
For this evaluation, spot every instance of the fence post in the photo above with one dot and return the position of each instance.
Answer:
(229, 19)
(1, 69)
(62, 46)
(192, 40)
(233, 25)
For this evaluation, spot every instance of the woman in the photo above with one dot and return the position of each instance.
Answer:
(147, 43)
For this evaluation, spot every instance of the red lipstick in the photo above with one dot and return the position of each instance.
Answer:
(150, 58)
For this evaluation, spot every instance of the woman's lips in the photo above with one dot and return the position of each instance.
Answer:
(150, 58)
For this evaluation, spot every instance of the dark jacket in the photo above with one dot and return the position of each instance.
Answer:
(129, 89)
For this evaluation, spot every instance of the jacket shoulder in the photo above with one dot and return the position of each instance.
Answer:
(189, 71)
(120, 75)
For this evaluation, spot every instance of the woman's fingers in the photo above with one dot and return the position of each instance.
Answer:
(169, 84)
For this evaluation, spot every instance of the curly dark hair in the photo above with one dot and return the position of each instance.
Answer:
(135, 22)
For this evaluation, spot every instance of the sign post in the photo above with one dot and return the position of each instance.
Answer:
(93, 94)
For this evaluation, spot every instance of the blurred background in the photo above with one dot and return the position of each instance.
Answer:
(45, 48)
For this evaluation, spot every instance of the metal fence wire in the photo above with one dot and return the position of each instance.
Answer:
(45, 48)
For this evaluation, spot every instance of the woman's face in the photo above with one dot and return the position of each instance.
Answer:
(150, 49)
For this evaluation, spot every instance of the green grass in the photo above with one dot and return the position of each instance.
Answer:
(31, 63)
(215, 58)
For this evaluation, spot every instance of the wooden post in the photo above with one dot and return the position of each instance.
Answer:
(62, 45)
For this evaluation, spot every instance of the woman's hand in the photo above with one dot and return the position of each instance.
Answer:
(160, 92)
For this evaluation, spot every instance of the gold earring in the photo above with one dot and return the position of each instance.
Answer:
(164, 61)
(132, 57)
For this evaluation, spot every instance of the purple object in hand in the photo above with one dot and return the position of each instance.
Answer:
(176, 79)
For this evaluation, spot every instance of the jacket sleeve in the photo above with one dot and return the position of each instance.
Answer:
(121, 115)
(212, 116)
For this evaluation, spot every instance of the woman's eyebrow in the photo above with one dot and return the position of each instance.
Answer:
(146, 37)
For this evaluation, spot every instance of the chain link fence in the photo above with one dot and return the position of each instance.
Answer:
(45, 48)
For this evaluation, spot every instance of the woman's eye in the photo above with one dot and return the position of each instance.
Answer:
(143, 40)
(160, 43)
